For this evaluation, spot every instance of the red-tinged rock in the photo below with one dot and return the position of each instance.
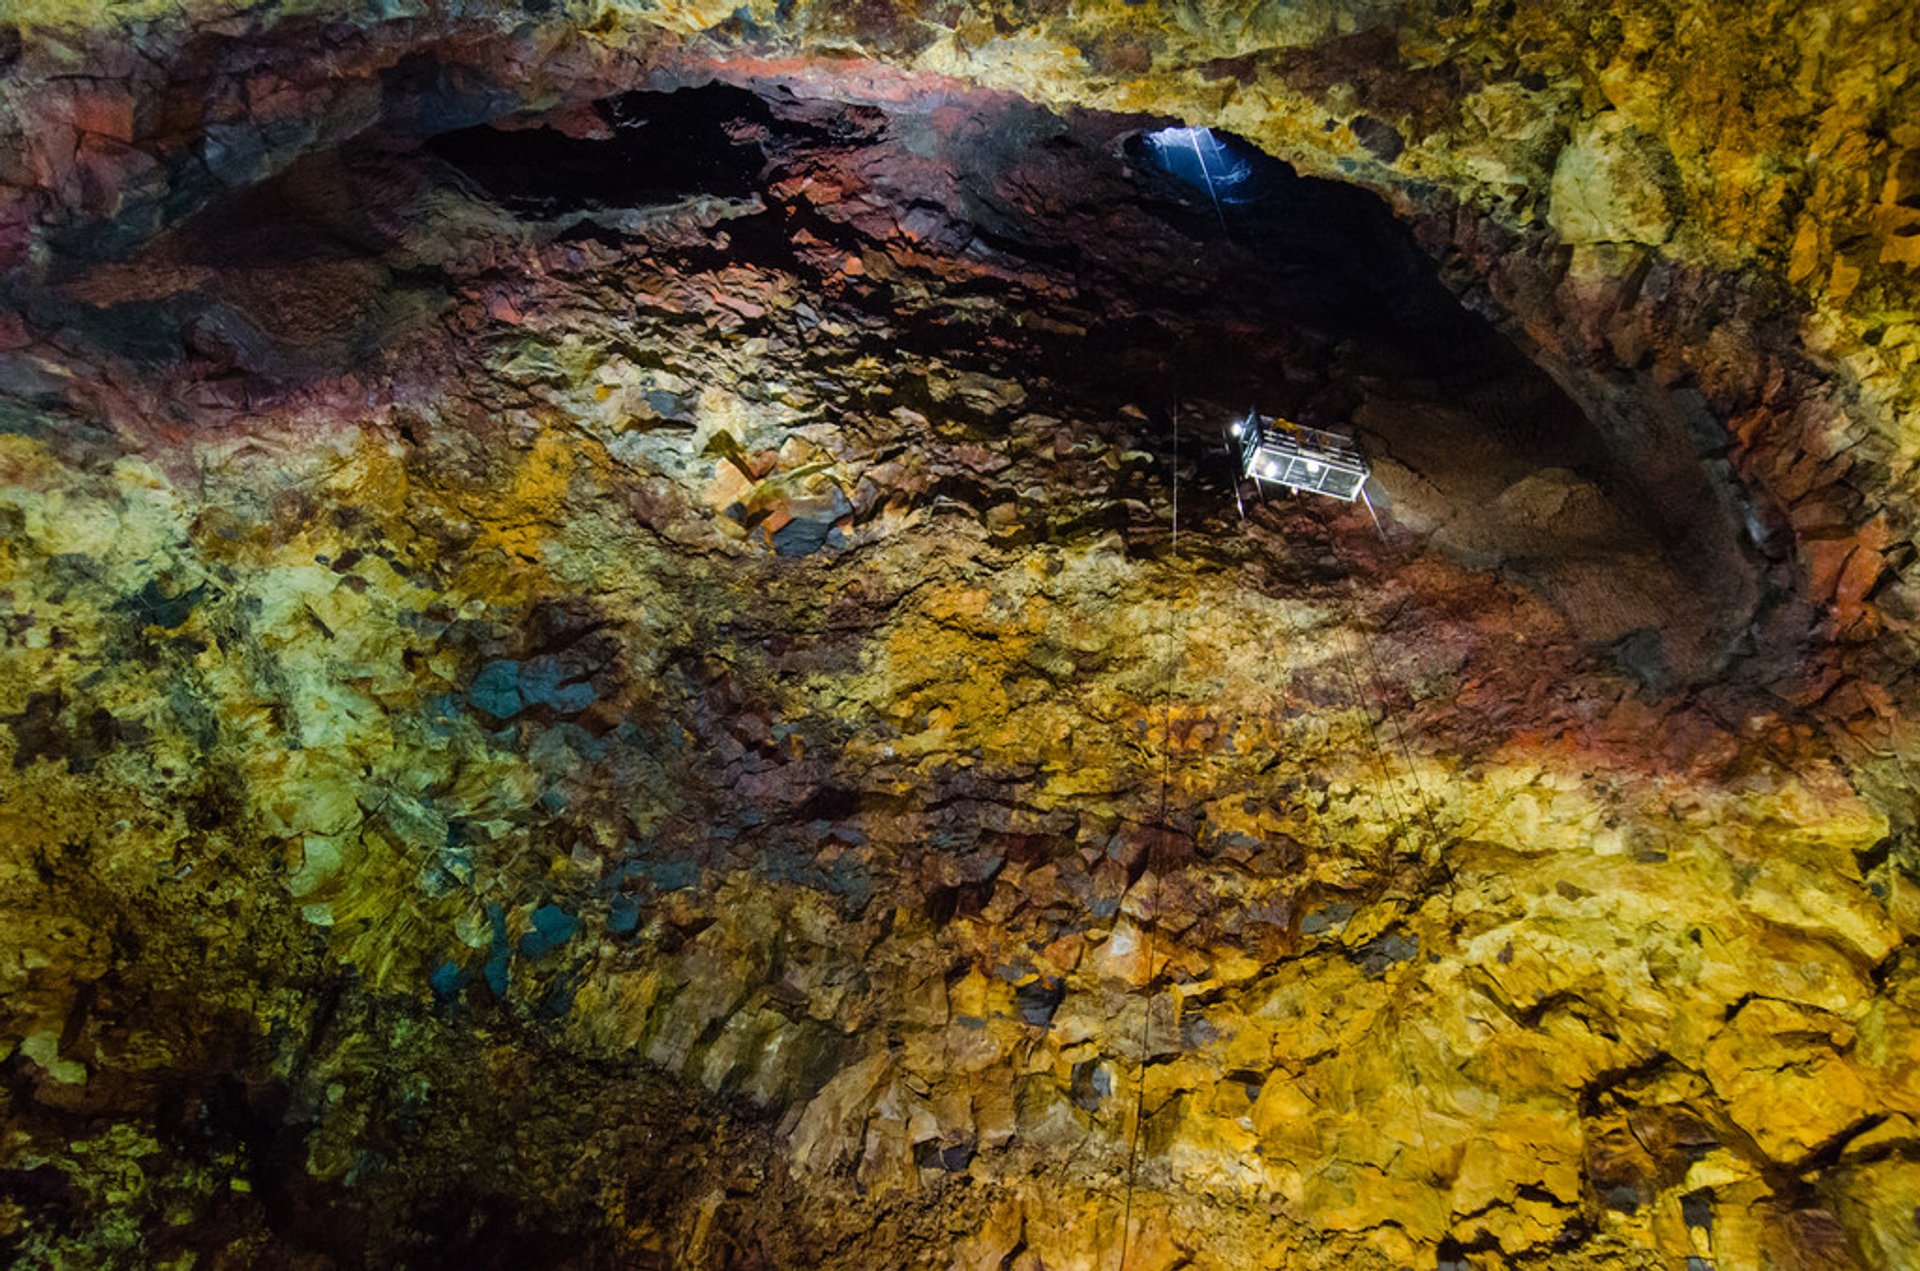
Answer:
(273, 97)
(1861, 573)
(1692, 741)
(582, 121)
(51, 151)
(501, 308)
(1826, 561)
(315, 560)
(739, 304)
(109, 173)
(1869, 708)
(105, 110)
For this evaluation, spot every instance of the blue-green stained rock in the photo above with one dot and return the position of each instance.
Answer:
(447, 979)
(623, 916)
(552, 927)
(156, 608)
(501, 956)
(812, 522)
(543, 682)
(496, 690)
(673, 875)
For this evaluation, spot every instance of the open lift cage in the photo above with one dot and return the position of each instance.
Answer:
(1279, 452)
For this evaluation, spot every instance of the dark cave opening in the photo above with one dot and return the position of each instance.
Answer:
(1302, 297)
(1075, 253)
(1069, 254)
(1066, 253)
(765, 347)
(628, 151)
(1062, 242)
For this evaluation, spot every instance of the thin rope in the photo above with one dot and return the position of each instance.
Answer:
(1166, 784)
(1424, 807)
(1373, 737)
(1394, 1008)
(1424, 801)
(1425, 804)
(1139, 1110)
(1356, 695)
(1193, 137)
(1378, 528)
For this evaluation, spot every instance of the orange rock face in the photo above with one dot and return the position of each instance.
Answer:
(627, 638)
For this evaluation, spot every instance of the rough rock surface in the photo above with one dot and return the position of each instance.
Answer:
(595, 675)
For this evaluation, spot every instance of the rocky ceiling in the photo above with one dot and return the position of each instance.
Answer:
(626, 639)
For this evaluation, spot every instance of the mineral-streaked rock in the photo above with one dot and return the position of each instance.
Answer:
(1613, 184)
(698, 754)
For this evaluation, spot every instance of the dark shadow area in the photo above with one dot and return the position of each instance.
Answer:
(1102, 265)
(649, 148)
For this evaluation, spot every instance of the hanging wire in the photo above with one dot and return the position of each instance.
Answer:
(1423, 805)
(1193, 136)
(1425, 809)
(1379, 529)
(1423, 802)
(1166, 784)
(1365, 710)
(1399, 816)
(1357, 703)
(1139, 1101)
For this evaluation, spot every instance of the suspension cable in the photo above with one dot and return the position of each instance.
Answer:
(1425, 810)
(1193, 137)
(1424, 804)
(1166, 785)
(1356, 701)
(1139, 1099)
(1373, 736)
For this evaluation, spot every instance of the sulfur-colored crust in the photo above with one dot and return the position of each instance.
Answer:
(647, 740)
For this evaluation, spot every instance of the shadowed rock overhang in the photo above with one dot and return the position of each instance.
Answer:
(597, 670)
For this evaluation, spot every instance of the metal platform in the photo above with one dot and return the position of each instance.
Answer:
(1279, 452)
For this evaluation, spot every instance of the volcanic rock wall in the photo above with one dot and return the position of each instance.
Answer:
(570, 700)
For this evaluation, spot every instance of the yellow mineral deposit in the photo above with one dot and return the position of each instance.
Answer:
(596, 668)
